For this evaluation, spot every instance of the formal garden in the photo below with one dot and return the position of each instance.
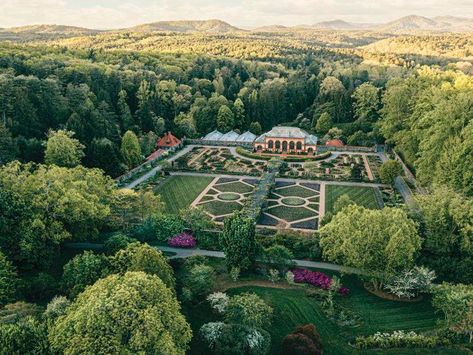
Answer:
(225, 196)
(292, 205)
(218, 160)
(340, 167)
(368, 197)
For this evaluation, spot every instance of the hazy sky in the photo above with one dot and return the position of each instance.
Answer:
(245, 13)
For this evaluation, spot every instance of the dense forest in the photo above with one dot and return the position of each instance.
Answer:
(101, 94)
(77, 112)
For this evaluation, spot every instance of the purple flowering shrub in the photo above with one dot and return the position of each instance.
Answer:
(183, 240)
(317, 279)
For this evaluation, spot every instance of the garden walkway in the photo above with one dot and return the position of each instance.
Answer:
(186, 253)
(401, 186)
(155, 170)
(326, 182)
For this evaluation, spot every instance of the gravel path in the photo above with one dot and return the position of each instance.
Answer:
(185, 253)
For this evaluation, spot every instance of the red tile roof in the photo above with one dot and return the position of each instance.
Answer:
(334, 143)
(167, 141)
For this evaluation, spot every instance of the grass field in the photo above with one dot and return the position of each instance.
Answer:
(292, 307)
(295, 191)
(363, 196)
(179, 192)
(234, 187)
(291, 214)
(219, 208)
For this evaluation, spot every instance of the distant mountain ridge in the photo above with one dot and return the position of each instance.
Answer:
(211, 26)
(404, 25)
(33, 32)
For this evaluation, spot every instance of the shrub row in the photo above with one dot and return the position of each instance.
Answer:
(399, 339)
(302, 159)
(301, 245)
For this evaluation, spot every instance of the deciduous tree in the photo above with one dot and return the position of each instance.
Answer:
(130, 149)
(130, 313)
(63, 150)
(381, 242)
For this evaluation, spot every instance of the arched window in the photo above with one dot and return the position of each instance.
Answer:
(310, 150)
(291, 145)
(270, 144)
(299, 145)
(259, 148)
(278, 145)
(284, 146)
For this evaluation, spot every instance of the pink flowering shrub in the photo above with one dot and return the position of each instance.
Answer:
(183, 240)
(317, 279)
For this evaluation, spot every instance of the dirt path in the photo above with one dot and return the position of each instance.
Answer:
(368, 168)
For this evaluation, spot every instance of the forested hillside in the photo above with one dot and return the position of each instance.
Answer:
(78, 111)
(101, 94)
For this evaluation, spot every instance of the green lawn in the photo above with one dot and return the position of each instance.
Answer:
(291, 214)
(220, 208)
(179, 192)
(295, 191)
(363, 196)
(234, 187)
(293, 307)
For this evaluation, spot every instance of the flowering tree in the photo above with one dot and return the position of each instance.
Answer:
(412, 282)
(218, 301)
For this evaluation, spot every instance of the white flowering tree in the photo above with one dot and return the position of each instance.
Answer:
(411, 283)
(218, 301)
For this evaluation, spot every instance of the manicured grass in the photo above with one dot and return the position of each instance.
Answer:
(228, 196)
(293, 307)
(291, 214)
(295, 191)
(179, 192)
(219, 208)
(234, 187)
(363, 196)
(293, 201)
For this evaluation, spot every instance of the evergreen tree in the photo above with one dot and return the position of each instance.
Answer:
(238, 241)
(239, 113)
(126, 119)
(225, 119)
(8, 148)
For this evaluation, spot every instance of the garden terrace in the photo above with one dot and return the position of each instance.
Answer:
(179, 191)
(225, 196)
(375, 163)
(218, 160)
(340, 167)
(363, 196)
(293, 205)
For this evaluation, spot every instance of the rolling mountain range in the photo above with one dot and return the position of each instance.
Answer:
(408, 24)
(405, 24)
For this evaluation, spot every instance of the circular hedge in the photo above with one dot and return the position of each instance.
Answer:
(293, 201)
(228, 196)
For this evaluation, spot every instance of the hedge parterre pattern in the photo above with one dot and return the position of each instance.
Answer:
(293, 205)
(225, 196)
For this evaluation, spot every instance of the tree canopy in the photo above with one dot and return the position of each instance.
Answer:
(381, 242)
(129, 313)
